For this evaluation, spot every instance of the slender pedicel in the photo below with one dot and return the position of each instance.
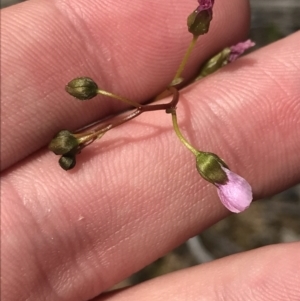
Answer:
(179, 134)
(85, 88)
(184, 61)
(121, 98)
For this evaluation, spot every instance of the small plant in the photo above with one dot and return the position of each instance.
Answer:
(234, 191)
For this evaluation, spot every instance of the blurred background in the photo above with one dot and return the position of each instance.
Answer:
(269, 221)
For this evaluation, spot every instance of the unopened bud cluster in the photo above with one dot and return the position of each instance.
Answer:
(65, 144)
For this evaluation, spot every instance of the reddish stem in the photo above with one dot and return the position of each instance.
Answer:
(91, 136)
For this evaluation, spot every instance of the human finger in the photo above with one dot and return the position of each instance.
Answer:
(131, 202)
(267, 274)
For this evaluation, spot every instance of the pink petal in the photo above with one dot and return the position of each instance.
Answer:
(236, 194)
(239, 49)
(205, 4)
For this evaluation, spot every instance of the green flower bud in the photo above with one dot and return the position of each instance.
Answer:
(198, 22)
(215, 63)
(210, 168)
(82, 88)
(67, 161)
(63, 143)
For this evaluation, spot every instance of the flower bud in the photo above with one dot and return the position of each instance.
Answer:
(209, 167)
(234, 191)
(238, 49)
(82, 88)
(67, 161)
(227, 55)
(198, 22)
(214, 64)
(63, 143)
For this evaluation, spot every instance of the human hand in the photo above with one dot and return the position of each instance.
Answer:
(136, 194)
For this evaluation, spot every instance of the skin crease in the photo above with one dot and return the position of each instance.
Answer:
(136, 194)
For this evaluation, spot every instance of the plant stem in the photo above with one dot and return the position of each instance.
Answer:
(185, 58)
(123, 99)
(180, 136)
(90, 136)
(180, 69)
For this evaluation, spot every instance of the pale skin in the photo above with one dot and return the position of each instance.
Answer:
(135, 194)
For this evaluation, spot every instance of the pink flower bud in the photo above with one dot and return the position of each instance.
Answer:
(205, 5)
(199, 20)
(236, 193)
(239, 49)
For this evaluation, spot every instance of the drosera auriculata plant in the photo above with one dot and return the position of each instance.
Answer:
(234, 191)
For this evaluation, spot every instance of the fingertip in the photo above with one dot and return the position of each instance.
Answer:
(268, 273)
